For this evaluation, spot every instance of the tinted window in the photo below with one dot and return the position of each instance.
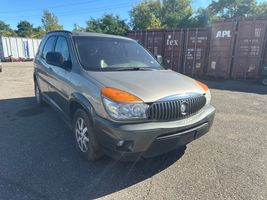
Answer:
(49, 46)
(62, 47)
(98, 53)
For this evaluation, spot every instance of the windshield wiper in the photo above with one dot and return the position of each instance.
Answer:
(135, 69)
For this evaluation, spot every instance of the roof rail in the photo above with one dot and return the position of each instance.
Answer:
(59, 31)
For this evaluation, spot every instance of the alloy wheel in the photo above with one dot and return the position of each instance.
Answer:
(82, 136)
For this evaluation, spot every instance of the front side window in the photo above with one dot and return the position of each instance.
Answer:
(49, 46)
(102, 54)
(62, 47)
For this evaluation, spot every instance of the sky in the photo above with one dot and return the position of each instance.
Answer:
(69, 11)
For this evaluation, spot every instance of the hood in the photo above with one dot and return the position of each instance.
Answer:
(149, 86)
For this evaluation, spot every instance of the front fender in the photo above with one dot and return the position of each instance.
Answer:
(84, 102)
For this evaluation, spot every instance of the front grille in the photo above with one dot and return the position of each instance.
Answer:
(171, 110)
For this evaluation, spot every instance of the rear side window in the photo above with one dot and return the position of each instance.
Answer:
(62, 47)
(49, 46)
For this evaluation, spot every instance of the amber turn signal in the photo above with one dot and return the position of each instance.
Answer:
(202, 85)
(119, 95)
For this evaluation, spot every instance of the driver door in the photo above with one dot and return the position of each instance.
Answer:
(59, 90)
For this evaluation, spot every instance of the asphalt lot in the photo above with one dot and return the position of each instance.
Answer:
(38, 159)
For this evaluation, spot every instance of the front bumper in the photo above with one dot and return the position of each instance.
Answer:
(151, 138)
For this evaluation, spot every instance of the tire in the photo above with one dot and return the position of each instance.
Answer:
(84, 135)
(38, 95)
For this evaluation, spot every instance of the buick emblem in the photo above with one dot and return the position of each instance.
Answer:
(183, 108)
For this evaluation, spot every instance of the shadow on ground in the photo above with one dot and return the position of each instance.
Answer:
(238, 86)
(38, 159)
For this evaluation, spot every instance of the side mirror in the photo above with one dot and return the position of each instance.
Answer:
(54, 58)
(159, 58)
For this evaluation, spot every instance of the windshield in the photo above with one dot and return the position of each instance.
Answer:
(109, 54)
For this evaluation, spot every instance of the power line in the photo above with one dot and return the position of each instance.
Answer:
(52, 7)
(83, 11)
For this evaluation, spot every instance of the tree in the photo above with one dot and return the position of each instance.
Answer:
(261, 9)
(6, 30)
(231, 9)
(146, 15)
(50, 21)
(176, 13)
(38, 32)
(161, 14)
(202, 18)
(77, 28)
(24, 29)
(107, 24)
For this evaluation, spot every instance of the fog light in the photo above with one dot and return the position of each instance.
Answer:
(120, 143)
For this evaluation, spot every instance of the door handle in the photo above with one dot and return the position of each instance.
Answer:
(50, 69)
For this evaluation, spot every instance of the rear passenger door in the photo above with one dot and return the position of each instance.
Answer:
(59, 89)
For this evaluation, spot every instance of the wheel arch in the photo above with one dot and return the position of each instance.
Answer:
(79, 101)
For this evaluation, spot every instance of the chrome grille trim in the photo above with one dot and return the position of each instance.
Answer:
(171, 110)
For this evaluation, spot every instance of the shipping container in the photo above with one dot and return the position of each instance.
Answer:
(221, 48)
(167, 43)
(173, 49)
(17, 47)
(265, 51)
(154, 41)
(248, 54)
(196, 46)
(228, 49)
(137, 35)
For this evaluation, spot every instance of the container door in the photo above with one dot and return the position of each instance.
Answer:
(153, 41)
(195, 51)
(249, 49)
(173, 46)
(137, 35)
(221, 49)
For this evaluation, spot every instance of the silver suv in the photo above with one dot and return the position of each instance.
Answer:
(117, 98)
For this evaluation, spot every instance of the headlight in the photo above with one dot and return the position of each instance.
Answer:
(124, 111)
(122, 105)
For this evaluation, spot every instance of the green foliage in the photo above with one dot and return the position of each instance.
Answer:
(6, 30)
(261, 9)
(161, 14)
(38, 32)
(77, 28)
(24, 29)
(153, 14)
(176, 13)
(202, 18)
(146, 15)
(109, 24)
(50, 22)
(231, 9)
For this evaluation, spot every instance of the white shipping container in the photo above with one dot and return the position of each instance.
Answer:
(18, 47)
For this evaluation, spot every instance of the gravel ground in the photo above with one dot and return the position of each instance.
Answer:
(38, 159)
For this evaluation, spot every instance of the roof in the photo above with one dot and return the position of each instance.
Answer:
(90, 34)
